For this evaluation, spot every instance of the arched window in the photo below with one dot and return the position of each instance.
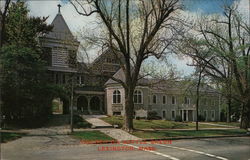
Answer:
(186, 100)
(116, 97)
(138, 97)
(154, 99)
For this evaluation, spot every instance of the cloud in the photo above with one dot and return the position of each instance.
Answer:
(77, 22)
(244, 9)
(72, 18)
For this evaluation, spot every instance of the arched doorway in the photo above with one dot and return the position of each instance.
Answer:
(82, 103)
(95, 104)
(57, 106)
(60, 105)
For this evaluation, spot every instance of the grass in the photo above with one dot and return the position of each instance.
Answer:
(79, 122)
(7, 136)
(234, 124)
(200, 133)
(91, 136)
(156, 124)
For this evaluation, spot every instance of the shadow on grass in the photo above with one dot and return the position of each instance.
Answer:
(7, 136)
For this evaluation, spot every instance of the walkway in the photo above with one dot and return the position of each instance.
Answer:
(108, 129)
(96, 122)
(221, 125)
(119, 134)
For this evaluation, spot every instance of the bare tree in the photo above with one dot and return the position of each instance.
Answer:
(137, 29)
(222, 45)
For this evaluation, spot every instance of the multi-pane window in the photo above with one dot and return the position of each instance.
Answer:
(173, 100)
(80, 79)
(164, 99)
(154, 99)
(186, 100)
(116, 97)
(138, 97)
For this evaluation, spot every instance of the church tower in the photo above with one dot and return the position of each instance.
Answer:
(60, 49)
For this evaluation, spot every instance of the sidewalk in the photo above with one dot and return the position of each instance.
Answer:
(222, 125)
(186, 129)
(96, 122)
(119, 134)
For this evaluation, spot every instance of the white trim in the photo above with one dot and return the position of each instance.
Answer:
(114, 87)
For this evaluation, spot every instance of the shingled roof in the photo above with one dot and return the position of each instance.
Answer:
(163, 85)
(60, 30)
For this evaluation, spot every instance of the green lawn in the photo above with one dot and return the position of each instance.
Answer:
(6, 136)
(91, 136)
(79, 122)
(234, 124)
(156, 124)
(200, 133)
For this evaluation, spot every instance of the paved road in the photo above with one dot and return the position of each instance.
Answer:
(67, 148)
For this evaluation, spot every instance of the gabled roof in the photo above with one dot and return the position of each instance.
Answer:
(121, 76)
(60, 30)
(103, 54)
(118, 75)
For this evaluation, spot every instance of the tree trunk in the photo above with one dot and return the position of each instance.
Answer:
(129, 110)
(245, 115)
(229, 109)
(198, 99)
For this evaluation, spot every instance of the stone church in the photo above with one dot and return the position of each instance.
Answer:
(100, 95)
(60, 49)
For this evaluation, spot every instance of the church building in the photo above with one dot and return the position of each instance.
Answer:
(100, 95)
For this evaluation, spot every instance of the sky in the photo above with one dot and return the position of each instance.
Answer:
(77, 22)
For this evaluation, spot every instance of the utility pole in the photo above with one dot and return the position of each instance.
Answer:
(71, 106)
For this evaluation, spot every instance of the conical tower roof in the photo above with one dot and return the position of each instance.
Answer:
(60, 30)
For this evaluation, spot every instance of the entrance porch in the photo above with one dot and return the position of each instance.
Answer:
(90, 102)
(187, 115)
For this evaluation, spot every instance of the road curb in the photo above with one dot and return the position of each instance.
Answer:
(196, 137)
(162, 139)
